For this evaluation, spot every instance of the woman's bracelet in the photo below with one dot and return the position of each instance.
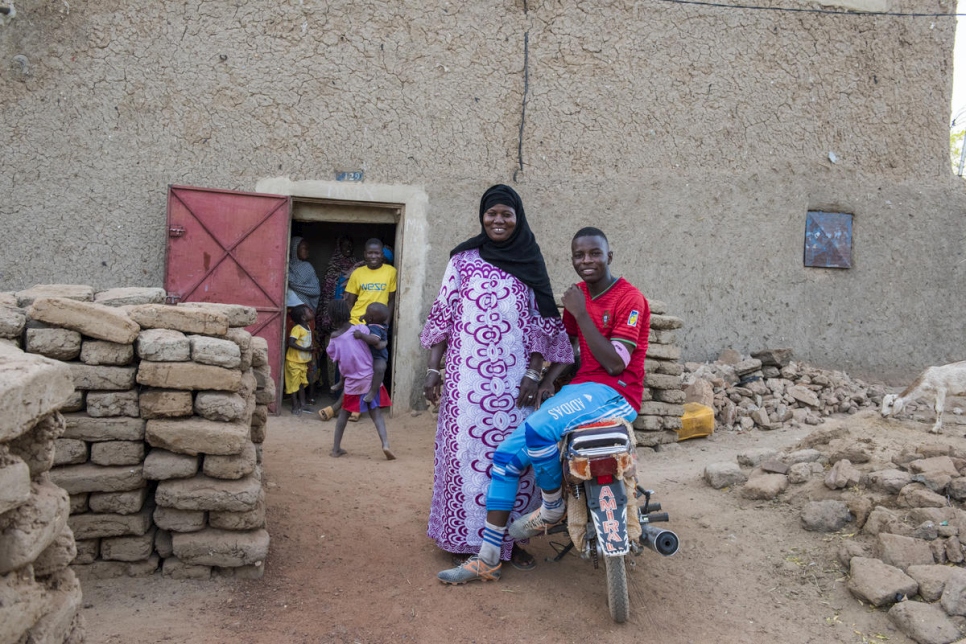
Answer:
(430, 370)
(532, 374)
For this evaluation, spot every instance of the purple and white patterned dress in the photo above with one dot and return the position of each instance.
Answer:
(490, 322)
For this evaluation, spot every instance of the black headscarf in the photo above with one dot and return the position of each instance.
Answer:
(519, 255)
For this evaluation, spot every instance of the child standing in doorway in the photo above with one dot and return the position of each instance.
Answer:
(376, 317)
(355, 364)
(297, 358)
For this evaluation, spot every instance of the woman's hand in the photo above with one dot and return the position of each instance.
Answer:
(432, 387)
(545, 390)
(528, 394)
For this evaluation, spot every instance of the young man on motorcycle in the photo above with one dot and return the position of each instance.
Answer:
(610, 321)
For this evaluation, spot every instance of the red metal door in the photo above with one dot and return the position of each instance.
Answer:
(231, 247)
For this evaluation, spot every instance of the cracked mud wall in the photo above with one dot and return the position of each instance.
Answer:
(696, 137)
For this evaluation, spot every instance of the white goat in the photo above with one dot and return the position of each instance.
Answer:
(934, 382)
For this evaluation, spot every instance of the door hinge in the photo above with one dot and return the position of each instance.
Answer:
(176, 231)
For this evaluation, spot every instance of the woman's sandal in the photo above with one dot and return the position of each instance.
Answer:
(521, 559)
(354, 417)
(326, 413)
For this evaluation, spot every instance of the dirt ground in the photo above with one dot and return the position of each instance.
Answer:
(350, 562)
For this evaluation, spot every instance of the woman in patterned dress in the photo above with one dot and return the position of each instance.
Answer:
(496, 322)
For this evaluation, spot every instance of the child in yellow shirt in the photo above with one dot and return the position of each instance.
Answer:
(297, 358)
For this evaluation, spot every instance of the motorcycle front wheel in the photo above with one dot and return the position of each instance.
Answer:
(617, 599)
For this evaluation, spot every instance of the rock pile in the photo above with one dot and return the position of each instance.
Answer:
(663, 404)
(162, 449)
(768, 389)
(905, 508)
(39, 594)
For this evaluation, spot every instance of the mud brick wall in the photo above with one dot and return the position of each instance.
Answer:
(39, 594)
(161, 450)
(663, 403)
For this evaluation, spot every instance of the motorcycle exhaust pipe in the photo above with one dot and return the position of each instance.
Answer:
(663, 542)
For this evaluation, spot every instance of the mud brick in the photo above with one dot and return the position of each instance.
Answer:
(63, 603)
(93, 320)
(118, 502)
(176, 520)
(31, 387)
(165, 403)
(658, 336)
(134, 548)
(243, 339)
(188, 376)
(76, 402)
(117, 453)
(114, 569)
(24, 603)
(669, 367)
(101, 352)
(91, 526)
(665, 322)
(664, 352)
(163, 345)
(220, 405)
(58, 344)
(99, 378)
(659, 381)
(12, 321)
(237, 315)
(251, 520)
(673, 396)
(14, 482)
(651, 408)
(83, 427)
(130, 296)
(78, 503)
(259, 352)
(113, 403)
(180, 318)
(94, 478)
(34, 525)
(197, 436)
(57, 555)
(36, 447)
(672, 423)
(87, 550)
(78, 292)
(234, 466)
(204, 493)
(215, 351)
(174, 568)
(223, 548)
(161, 465)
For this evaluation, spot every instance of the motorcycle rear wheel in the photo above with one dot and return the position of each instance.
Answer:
(617, 599)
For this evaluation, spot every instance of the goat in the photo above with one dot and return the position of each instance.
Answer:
(934, 382)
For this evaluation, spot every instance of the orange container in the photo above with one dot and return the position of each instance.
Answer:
(697, 422)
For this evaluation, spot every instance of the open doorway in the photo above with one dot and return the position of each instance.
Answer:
(322, 223)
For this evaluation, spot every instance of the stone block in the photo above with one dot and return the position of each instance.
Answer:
(665, 322)
(78, 503)
(36, 447)
(12, 322)
(755, 456)
(76, 402)
(163, 345)
(935, 465)
(879, 583)
(92, 526)
(204, 493)
(641, 423)
(180, 318)
(764, 487)
(14, 482)
(175, 520)
(924, 623)
(238, 315)
(32, 526)
(215, 351)
(77, 292)
(932, 579)
(83, 427)
(106, 404)
(31, 387)
(664, 352)
(243, 339)
(266, 394)
(902, 552)
(92, 320)
(57, 555)
(652, 408)
(197, 436)
(234, 466)
(174, 568)
(953, 599)
(130, 296)
(660, 381)
(94, 478)
(115, 569)
(773, 357)
(165, 403)
(88, 550)
(63, 605)
(101, 352)
(671, 423)
(161, 465)
(804, 395)
(22, 603)
(117, 453)
(825, 516)
(100, 378)
(133, 548)
(58, 344)
(129, 502)
(251, 520)
(916, 495)
(221, 406)
(889, 481)
(188, 376)
(725, 474)
(842, 475)
(223, 548)
(259, 351)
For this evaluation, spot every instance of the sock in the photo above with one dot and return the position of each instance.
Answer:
(552, 509)
(492, 543)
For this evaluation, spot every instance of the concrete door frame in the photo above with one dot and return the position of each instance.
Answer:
(412, 204)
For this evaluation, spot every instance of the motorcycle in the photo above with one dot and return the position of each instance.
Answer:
(600, 465)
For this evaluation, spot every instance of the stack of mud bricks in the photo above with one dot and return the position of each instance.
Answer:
(162, 448)
(663, 403)
(39, 594)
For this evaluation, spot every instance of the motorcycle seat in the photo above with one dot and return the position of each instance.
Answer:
(611, 433)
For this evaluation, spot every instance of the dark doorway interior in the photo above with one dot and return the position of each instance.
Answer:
(321, 237)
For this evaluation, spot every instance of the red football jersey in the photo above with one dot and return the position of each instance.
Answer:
(619, 313)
